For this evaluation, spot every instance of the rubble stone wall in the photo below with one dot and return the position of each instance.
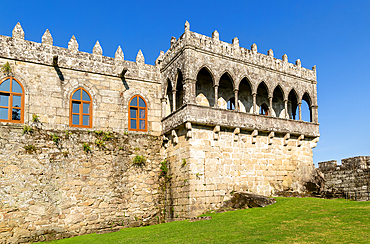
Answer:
(349, 180)
(58, 190)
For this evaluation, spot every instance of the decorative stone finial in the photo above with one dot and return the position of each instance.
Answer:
(160, 58)
(173, 40)
(47, 38)
(285, 58)
(270, 53)
(97, 50)
(254, 47)
(73, 44)
(18, 31)
(140, 58)
(119, 54)
(236, 41)
(298, 62)
(215, 35)
(314, 68)
(187, 26)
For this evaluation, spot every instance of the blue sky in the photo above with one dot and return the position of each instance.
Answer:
(334, 35)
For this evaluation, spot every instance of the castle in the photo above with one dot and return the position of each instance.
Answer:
(220, 117)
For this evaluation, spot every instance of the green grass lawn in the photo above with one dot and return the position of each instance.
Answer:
(290, 220)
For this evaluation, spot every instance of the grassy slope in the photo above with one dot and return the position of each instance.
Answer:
(290, 220)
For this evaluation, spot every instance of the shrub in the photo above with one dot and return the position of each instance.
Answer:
(99, 143)
(164, 168)
(6, 68)
(55, 138)
(86, 147)
(139, 160)
(30, 149)
(35, 118)
(26, 129)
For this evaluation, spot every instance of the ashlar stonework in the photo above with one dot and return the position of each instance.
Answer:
(223, 118)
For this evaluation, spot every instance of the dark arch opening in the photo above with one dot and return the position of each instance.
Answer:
(225, 91)
(205, 94)
(231, 104)
(293, 105)
(262, 95)
(179, 91)
(278, 104)
(264, 109)
(169, 98)
(245, 96)
(306, 108)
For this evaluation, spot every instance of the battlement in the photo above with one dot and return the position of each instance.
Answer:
(45, 53)
(235, 52)
(360, 162)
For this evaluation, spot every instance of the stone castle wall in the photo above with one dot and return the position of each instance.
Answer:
(350, 180)
(218, 163)
(59, 190)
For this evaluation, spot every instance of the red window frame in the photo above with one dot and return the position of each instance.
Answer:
(135, 122)
(10, 106)
(80, 110)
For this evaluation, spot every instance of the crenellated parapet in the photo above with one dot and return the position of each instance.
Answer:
(45, 53)
(212, 45)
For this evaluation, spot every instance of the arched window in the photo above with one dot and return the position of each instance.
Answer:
(231, 104)
(11, 101)
(80, 109)
(137, 115)
(264, 110)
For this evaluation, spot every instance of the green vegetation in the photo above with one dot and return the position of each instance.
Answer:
(183, 163)
(290, 220)
(27, 129)
(6, 68)
(100, 143)
(30, 149)
(139, 160)
(35, 118)
(86, 147)
(55, 138)
(164, 168)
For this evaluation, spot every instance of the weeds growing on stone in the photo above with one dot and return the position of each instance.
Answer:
(55, 138)
(27, 129)
(6, 68)
(139, 160)
(163, 168)
(86, 147)
(35, 118)
(30, 149)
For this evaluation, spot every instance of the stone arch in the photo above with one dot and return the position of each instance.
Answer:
(262, 96)
(306, 107)
(245, 95)
(205, 94)
(278, 104)
(225, 90)
(206, 67)
(293, 104)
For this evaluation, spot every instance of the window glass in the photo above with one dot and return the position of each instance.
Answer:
(75, 107)
(85, 96)
(17, 101)
(16, 114)
(77, 95)
(141, 102)
(86, 108)
(16, 87)
(75, 119)
(142, 114)
(4, 99)
(133, 124)
(5, 86)
(134, 102)
(142, 124)
(3, 113)
(133, 113)
(85, 119)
